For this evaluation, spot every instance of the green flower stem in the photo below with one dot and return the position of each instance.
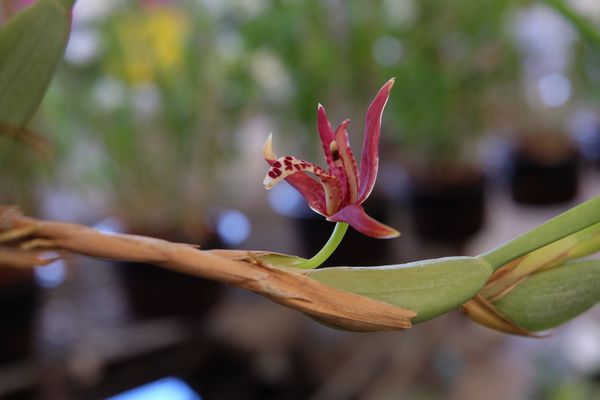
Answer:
(334, 240)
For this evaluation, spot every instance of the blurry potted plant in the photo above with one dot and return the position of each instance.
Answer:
(154, 103)
(169, 143)
(317, 52)
(19, 295)
(543, 169)
(585, 77)
(456, 59)
(543, 161)
(450, 63)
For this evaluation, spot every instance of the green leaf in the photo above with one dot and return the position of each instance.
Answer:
(577, 245)
(549, 298)
(588, 242)
(567, 223)
(430, 287)
(282, 260)
(31, 45)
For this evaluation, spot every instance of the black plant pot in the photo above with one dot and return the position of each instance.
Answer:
(448, 209)
(543, 177)
(356, 249)
(155, 292)
(19, 296)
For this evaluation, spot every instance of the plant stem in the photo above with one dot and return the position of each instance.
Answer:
(334, 240)
(572, 221)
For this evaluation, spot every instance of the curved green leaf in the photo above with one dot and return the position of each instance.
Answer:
(31, 45)
(430, 287)
(577, 245)
(549, 298)
(567, 223)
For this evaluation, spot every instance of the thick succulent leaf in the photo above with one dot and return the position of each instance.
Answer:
(577, 245)
(430, 287)
(31, 45)
(483, 312)
(552, 297)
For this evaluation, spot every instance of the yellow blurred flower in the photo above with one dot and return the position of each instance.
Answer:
(149, 43)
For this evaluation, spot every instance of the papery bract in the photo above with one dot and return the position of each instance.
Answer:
(338, 193)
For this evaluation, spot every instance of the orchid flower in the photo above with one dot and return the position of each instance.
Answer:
(337, 194)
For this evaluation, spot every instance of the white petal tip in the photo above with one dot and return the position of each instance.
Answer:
(269, 140)
(389, 233)
(393, 235)
(269, 182)
(268, 153)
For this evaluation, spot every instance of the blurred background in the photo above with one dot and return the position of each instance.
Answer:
(154, 125)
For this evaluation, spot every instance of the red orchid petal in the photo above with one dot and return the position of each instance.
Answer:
(356, 216)
(348, 161)
(330, 149)
(369, 162)
(326, 133)
(285, 167)
(310, 189)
